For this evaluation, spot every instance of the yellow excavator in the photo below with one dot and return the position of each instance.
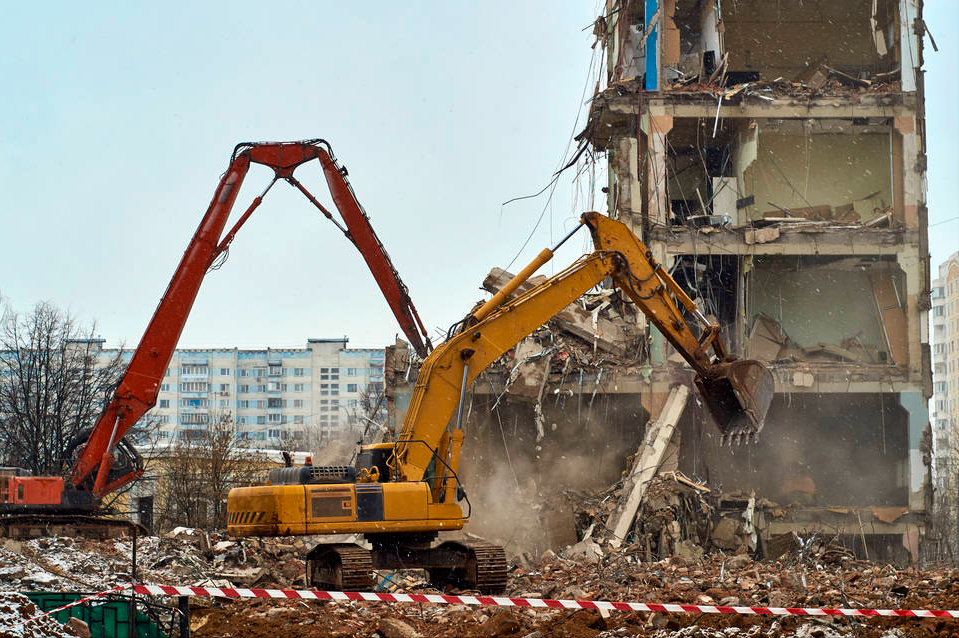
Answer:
(399, 495)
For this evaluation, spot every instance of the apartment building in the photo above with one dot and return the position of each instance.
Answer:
(772, 156)
(945, 373)
(271, 395)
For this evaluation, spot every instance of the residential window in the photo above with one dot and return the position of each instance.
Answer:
(334, 389)
(351, 387)
(274, 434)
(298, 419)
(352, 372)
(298, 387)
(194, 386)
(274, 418)
(261, 420)
(324, 389)
(274, 403)
(164, 403)
(298, 372)
(224, 387)
(297, 403)
(164, 387)
(224, 372)
(194, 370)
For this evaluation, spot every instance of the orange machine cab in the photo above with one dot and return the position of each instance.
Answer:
(29, 490)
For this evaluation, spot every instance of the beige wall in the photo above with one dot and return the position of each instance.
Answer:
(780, 38)
(819, 170)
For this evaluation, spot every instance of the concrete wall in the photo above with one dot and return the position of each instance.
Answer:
(798, 171)
(782, 38)
(816, 304)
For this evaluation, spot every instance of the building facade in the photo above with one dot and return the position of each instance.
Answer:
(271, 395)
(945, 373)
(772, 157)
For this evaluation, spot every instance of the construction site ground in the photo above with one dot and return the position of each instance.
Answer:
(819, 579)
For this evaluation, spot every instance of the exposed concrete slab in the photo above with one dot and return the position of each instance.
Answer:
(575, 319)
(649, 457)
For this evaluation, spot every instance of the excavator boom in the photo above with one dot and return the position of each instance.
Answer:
(401, 494)
(95, 470)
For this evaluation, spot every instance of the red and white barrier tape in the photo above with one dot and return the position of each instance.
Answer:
(80, 601)
(543, 603)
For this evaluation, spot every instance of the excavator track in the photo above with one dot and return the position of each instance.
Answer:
(490, 567)
(28, 526)
(469, 565)
(340, 567)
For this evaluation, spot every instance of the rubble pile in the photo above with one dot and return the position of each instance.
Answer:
(185, 556)
(810, 572)
(16, 612)
(799, 580)
(674, 519)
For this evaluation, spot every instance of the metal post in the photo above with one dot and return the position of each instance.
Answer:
(133, 581)
(183, 605)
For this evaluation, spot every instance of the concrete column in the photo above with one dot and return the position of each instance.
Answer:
(911, 186)
(658, 201)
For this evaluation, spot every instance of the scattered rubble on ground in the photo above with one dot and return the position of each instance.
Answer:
(16, 612)
(811, 572)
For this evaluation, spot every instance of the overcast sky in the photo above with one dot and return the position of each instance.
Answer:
(117, 121)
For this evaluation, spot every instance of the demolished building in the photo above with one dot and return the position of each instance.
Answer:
(773, 154)
(772, 157)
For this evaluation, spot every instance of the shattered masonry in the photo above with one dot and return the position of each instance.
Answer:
(772, 155)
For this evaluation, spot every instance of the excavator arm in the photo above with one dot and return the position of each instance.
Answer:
(399, 495)
(737, 392)
(138, 388)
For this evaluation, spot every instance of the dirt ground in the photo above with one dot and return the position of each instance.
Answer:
(718, 579)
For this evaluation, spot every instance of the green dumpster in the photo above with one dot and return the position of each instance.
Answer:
(106, 618)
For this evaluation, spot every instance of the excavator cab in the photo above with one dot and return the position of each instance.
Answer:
(737, 394)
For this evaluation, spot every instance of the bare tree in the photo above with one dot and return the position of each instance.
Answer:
(195, 474)
(366, 423)
(370, 419)
(54, 384)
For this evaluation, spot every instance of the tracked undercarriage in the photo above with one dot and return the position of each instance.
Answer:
(28, 526)
(461, 564)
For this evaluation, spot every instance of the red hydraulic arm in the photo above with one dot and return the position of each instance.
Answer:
(137, 391)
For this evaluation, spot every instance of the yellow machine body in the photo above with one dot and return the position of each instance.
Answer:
(339, 508)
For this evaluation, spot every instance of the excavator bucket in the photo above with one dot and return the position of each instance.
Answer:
(737, 395)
